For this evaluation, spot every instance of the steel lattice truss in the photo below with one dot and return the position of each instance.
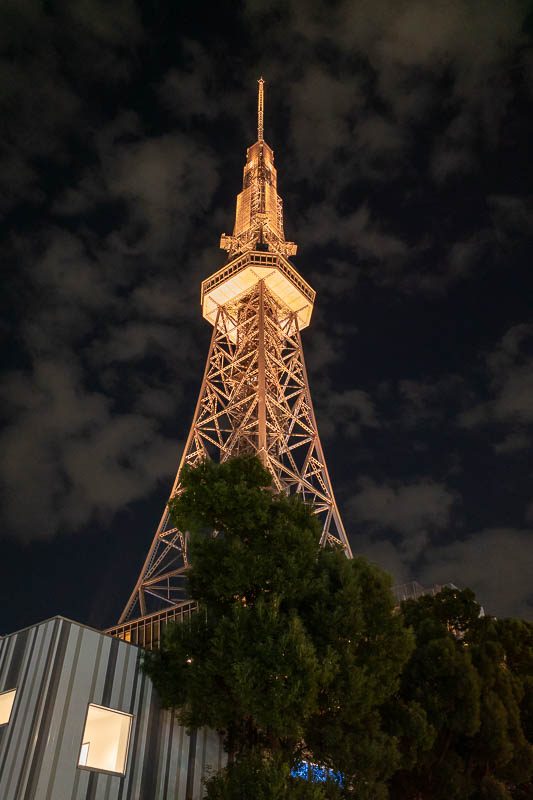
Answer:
(254, 398)
(255, 394)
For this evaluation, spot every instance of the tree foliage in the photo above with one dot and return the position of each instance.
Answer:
(471, 675)
(294, 649)
(297, 653)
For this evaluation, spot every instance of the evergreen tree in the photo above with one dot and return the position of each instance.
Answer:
(295, 650)
(472, 677)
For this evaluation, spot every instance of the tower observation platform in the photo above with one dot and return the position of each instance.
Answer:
(255, 393)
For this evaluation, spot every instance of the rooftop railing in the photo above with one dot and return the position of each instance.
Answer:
(262, 260)
(147, 631)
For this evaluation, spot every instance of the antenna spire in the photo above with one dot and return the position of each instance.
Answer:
(260, 111)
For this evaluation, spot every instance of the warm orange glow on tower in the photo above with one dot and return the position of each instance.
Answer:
(259, 212)
(258, 230)
(255, 394)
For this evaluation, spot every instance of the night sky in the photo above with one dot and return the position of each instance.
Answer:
(402, 131)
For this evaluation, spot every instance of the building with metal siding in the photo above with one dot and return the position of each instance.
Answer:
(58, 668)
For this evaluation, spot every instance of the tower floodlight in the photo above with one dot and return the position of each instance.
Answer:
(255, 393)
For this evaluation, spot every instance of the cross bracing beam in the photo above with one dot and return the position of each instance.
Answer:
(254, 397)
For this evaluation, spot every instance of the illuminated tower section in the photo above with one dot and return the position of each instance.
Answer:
(255, 393)
(259, 213)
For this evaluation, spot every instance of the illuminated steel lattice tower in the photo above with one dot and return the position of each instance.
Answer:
(255, 393)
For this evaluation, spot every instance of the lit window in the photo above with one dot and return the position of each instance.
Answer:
(6, 704)
(105, 740)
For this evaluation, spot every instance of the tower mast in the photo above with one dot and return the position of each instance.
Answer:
(255, 393)
(260, 110)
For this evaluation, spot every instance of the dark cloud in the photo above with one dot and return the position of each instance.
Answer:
(321, 101)
(496, 562)
(49, 54)
(509, 371)
(427, 402)
(357, 232)
(153, 176)
(19, 182)
(397, 525)
(147, 179)
(513, 442)
(402, 137)
(345, 413)
(512, 216)
(413, 510)
(66, 459)
(192, 92)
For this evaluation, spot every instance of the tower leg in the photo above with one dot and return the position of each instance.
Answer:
(261, 380)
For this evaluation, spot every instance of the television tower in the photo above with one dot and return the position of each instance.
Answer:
(255, 394)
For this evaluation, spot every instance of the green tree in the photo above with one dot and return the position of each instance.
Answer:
(295, 649)
(472, 678)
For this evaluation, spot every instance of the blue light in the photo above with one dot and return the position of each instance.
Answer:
(315, 773)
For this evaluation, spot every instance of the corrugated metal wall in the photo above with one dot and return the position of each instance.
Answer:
(58, 667)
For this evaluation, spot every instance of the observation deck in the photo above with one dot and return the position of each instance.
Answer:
(243, 272)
